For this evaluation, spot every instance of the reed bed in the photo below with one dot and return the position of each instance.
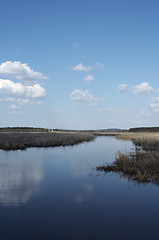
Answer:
(14, 141)
(142, 165)
(138, 136)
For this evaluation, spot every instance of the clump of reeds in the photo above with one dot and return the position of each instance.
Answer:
(149, 145)
(139, 166)
(14, 141)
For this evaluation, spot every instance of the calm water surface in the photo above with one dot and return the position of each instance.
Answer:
(56, 193)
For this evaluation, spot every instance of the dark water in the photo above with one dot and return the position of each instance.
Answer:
(55, 193)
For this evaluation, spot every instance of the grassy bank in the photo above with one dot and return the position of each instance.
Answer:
(142, 165)
(14, 141)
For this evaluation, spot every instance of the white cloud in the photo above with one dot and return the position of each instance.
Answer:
(154, 104)
(13, 106)
(18, 102)
(81, 68)
(23, 101)
(10, 89)
(84, 96)
(89, 78)
(19, 71)
(99, 65)
(142, 89)
(122, 87)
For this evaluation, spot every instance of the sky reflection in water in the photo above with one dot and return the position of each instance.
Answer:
(20, 178)
(55, 193)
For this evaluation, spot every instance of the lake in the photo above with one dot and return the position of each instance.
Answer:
(56, 194)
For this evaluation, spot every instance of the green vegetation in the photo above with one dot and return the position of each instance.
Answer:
(14, 141)
(142, 165)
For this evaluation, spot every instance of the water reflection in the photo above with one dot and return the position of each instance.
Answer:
(80, 169)
(20, 179)
(84, 195)
(61, 197)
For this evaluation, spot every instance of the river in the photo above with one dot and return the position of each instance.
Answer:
(56, 194)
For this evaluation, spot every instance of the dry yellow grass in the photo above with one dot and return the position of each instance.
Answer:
(141, 165)
(138, 166)
(139, 136)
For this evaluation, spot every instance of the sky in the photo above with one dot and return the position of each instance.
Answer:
(89, 64)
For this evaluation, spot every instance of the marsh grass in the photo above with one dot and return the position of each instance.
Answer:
(142, 165)
(149, 145)
(138, 136)
(14, 141)
(139, 166)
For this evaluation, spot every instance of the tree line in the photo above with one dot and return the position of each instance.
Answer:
(144, 129)
(23, 129)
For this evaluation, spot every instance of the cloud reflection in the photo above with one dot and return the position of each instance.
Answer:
(85, 194)
(20, 180)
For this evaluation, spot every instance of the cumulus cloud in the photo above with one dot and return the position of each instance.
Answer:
(79, 67)
(11, 89)
(84, 96)
(89, 78)
(122, 87)
(19, 71)
(142, 89)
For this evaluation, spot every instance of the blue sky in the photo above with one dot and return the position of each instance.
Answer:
(79, 64)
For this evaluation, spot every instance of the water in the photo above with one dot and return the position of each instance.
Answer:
(55, 193)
